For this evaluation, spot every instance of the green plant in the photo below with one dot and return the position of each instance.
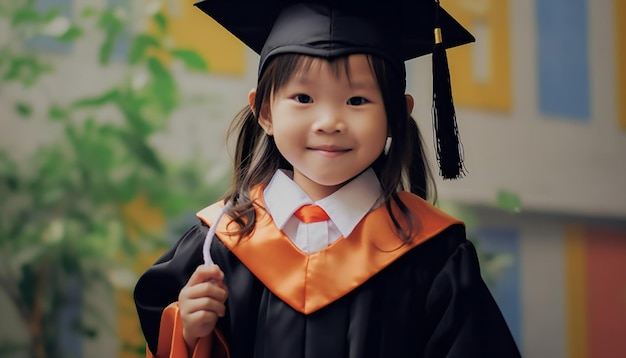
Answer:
(62, 209)
(493, 265)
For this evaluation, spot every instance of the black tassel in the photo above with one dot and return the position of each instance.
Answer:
(448, 145)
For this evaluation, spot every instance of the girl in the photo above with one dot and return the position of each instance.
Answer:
(318, 249)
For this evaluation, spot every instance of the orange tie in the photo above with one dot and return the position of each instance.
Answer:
(311, 214)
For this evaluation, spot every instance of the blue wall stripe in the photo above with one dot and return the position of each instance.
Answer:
(69, 335)
(48, 43)
(122, 43)
(505, 282)
(563, 58)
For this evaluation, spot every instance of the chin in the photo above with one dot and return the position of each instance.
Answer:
(328, 178)
(333, 183)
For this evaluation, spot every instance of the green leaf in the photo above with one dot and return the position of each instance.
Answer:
(163, 87)
(25, 69)
(191, 58)
(143, 151)
(112, 27)
(159, 71)
(71, 34)
(110, 22)
(25, 15)
(88, 11)
(24, 109)
(58, 113)
(128, 191)
(140, 44)
(161, 21)
(109, 96)
(509, 201)
(104, 55)
(50, 15)
(19, 67)
(140, 126)
(9, 174)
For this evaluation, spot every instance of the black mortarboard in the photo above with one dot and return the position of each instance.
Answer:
(396, 30)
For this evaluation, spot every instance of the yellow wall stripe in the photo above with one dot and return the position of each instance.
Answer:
(620, 46)
(140, 215)
(481, 71)
(190, 28)
(576, 292)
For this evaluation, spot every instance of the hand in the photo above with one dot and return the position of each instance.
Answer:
(201, 303)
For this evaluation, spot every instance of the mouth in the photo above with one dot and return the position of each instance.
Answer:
(329, 150)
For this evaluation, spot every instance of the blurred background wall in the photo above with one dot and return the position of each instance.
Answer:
(112, 134)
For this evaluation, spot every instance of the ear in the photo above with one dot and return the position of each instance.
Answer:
(263, 118)
(409, 103)
(251, 100)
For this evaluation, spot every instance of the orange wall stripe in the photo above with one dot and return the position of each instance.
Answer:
(576, 292)
(606, 288)
(481, 71)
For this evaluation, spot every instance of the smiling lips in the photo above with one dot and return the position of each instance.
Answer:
(329, 150)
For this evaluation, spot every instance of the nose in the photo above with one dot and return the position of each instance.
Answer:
(329, 120)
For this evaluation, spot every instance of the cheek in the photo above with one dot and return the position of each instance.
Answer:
(379, 134)
(285, 133)
(380, 143)
(287, 139)
(374, 141)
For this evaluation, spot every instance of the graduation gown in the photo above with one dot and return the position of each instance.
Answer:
(366, 295)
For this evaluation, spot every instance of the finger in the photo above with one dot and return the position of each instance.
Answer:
(206, 273)
(204, 289)
(203, 304)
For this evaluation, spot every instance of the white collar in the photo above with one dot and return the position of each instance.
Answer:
(345, 207)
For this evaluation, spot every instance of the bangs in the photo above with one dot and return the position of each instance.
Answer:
(283, 67)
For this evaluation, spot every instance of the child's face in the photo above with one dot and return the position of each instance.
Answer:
(329, 126)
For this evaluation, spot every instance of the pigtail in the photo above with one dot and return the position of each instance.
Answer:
(249, 138)
(247, 128)
(419, 175)
(416, 178)
(404, 166)
(256, 160)
(415, 173)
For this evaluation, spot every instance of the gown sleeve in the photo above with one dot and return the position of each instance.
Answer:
(156, 296)
(462, 315)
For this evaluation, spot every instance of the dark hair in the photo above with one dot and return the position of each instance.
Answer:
(402, 167)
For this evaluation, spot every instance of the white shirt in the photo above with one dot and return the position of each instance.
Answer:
(345, 207)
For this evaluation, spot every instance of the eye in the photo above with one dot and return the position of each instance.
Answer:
(357, 101)
(303, 98)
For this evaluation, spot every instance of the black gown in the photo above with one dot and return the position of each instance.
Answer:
(428, 300)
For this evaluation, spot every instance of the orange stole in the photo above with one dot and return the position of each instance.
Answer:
(172, 344)
(308, 283)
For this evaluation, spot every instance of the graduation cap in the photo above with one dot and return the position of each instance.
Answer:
(396, 30)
